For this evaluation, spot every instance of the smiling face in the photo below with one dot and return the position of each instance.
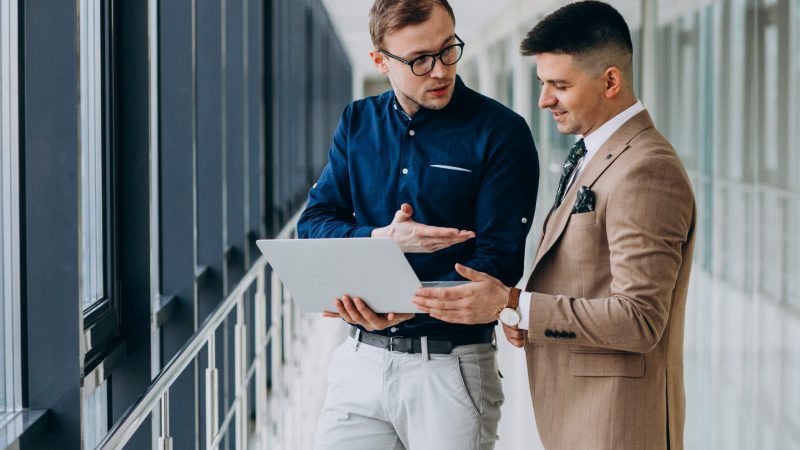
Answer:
(577, 100)
(433, 90)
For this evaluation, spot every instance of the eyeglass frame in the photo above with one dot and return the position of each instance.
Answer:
(435, 56)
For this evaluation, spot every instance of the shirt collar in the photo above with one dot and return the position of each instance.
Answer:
(598, 137)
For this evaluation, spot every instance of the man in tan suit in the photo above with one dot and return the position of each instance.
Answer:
(602, 315)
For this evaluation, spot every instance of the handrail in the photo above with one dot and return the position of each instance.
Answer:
(133, 418)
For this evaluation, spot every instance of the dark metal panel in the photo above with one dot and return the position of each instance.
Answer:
(49, 203)
(176, 133)
(176, 154)
(255, 99)
(234, 140)
(210, 246)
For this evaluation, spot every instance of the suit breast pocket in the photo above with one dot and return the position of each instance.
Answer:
(581, 239)
(616, 364)
(582, 219)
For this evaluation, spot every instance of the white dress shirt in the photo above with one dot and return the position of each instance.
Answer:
(593, 142)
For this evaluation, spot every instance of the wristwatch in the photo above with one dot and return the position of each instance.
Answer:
(510, 315)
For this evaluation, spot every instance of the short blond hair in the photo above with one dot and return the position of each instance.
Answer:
(387, 16)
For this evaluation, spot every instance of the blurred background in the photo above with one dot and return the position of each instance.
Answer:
(145, 146)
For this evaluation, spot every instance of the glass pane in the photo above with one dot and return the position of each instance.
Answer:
(92, 211)
(95, 423)
(9, 212)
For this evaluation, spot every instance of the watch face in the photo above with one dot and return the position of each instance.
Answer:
(510, 317)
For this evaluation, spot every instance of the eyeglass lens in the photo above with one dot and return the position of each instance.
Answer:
(448, 56)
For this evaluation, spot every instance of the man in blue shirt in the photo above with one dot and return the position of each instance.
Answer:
(452, 177)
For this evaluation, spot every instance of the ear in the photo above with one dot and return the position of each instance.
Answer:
(613, 81)
(380, 62)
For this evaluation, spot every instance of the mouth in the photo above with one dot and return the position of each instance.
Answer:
(439, 91)
(559, 115)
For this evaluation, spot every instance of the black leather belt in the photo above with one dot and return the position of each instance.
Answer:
(414, 344)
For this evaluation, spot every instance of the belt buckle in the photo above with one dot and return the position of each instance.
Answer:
(399, 339)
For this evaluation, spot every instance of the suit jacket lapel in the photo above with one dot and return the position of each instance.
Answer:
(605, 156)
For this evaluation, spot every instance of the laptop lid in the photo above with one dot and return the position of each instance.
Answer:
(317, 271)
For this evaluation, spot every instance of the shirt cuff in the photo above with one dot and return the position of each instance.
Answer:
(524, 309)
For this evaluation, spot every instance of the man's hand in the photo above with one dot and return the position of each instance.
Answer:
(356, 312)
(414, 237)
(515, 336)
(476, 302)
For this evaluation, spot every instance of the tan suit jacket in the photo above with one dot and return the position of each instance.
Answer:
(605, 342)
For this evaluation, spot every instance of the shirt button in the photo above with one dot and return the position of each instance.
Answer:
(524, 220)
(405, 171)
(411, 132)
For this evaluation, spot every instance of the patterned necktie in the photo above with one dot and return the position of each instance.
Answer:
(575, 154)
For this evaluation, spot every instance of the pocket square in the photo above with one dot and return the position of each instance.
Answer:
(584, 202)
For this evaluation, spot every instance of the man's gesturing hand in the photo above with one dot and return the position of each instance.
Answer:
(414, 237)
(356, 312)
(476, 302)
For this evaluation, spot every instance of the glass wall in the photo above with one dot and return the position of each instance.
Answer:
(727, 95)
(728, 101)
(9, 212)
(93, 150)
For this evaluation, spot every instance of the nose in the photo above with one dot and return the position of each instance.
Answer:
(439, 70)
(546, 97)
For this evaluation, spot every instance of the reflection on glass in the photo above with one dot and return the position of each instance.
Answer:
(742, 342)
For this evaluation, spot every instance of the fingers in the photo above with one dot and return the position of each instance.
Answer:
(356, 312)
(375, 321)
(400, 216)
(450, 316)
(404, 213)
(448, 293)
(395, 318)
(428, 304)
(399, 316)
(515, 336)
(342, 310)
(441, 232)
(472, 274)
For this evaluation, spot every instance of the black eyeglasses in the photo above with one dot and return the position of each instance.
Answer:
(423, 64)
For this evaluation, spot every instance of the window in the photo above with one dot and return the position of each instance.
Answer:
(95, 151)
(9, 212)
(100, 322)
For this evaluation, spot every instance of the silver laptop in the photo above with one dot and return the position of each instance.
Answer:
(317, 271)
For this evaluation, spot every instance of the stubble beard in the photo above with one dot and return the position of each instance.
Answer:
(433, 106)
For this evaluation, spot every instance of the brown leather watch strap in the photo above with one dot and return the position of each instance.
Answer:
(513, 298)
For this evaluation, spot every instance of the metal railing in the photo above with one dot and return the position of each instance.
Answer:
(268, 413)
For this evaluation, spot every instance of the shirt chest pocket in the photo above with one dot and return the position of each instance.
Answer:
(447, 180)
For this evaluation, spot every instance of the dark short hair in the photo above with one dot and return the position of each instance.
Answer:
(387, 16)
(579, 29)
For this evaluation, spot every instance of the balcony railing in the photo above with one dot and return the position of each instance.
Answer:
(269, 406)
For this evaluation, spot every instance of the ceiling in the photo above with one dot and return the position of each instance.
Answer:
(350, 18)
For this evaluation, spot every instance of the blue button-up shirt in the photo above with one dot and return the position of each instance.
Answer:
(471, 165)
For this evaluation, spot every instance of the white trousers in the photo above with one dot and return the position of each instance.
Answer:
(378, 399)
